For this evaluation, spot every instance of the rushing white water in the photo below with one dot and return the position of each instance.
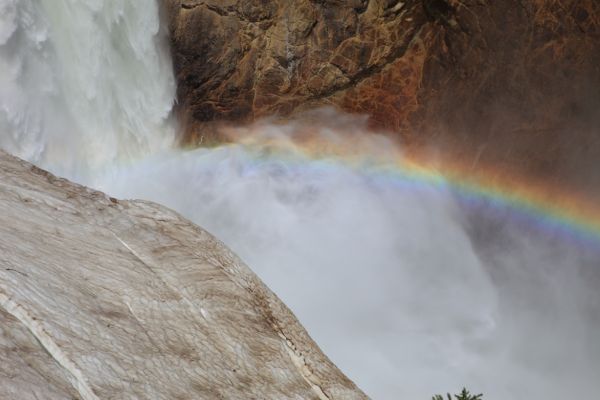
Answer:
(83, 84)
(406, 290)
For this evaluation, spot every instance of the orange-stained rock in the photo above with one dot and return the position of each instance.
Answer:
(514, 83)
(246, 59)
(517, 83)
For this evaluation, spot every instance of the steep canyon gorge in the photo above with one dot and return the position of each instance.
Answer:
(416, 180)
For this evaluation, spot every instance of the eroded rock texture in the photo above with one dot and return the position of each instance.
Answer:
(240, 60)
(514, 82)
(107, 299)
(518, 84)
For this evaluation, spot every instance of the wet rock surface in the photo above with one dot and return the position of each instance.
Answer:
(241, 60)
(513, 83)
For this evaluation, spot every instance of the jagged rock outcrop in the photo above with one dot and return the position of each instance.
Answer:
(241, 60)
(109, 299)
(513, 83)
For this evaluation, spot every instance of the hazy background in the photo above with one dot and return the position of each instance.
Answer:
(409, 290)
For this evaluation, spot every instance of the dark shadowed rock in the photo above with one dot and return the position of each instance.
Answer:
(242, 60)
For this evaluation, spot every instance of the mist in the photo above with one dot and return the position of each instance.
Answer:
(408, 289)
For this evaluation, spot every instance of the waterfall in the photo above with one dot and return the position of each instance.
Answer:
(83, 84)
(407, 290)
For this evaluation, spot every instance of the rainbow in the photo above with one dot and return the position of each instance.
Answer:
(536, 204)
(569, 215)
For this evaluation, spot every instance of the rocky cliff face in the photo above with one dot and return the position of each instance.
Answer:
(517, 84)
(109, 299)
(241, 60)
(514, 83)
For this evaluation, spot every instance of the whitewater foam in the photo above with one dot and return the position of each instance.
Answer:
(83, 84)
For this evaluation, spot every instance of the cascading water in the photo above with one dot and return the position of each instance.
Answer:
(83, 84)
(408, 290)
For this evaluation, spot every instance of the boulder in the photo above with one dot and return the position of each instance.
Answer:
(109, 299)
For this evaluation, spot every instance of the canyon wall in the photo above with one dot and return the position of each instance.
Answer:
(108, 299)
(514, 83)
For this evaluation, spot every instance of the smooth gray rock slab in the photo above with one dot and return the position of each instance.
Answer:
(108, 299)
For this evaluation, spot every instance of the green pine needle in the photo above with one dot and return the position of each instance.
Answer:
(464, 395)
